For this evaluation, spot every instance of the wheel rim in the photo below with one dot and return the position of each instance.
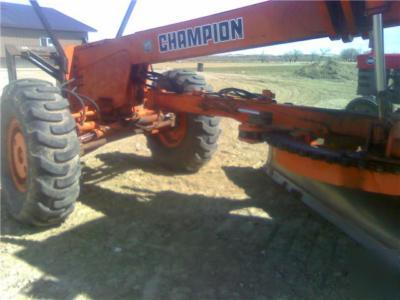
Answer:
(172, 137)
(17, 155)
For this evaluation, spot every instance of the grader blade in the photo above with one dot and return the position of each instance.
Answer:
(373, 220)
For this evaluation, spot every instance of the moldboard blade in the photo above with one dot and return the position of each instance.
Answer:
(372, 220)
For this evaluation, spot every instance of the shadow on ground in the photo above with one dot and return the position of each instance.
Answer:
(168, 245)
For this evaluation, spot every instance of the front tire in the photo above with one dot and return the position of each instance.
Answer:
(40, 153)
(191, 143)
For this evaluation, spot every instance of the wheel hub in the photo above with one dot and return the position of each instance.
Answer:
(17, 155)
(172, 137)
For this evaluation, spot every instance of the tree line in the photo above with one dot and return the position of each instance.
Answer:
(348, 54)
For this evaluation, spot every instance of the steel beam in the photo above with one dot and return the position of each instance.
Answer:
(379, 53)
(126, 18)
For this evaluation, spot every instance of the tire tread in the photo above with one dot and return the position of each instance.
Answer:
(203, 131)
(53, 147)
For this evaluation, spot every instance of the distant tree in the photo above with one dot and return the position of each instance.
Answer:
(292, 56)
(313, 56)
(263, 57)
(286, 56)
(324, 52)
(297, 55)
(349, 54)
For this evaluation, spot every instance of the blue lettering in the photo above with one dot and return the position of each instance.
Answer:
(194, 37)
(162, 40)
(207, 33)
(215, 33)
(224, 31)
(237, 29)
(172, 41)
(181, 39)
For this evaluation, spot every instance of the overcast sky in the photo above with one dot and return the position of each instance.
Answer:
(106, 15)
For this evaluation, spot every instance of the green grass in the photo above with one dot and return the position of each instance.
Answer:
(281, 78)
(256, 69)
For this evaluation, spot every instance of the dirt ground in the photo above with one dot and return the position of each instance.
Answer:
(227, 232)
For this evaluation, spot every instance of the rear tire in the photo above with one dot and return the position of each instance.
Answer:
(368, 106)
(198, 140)
(46, 194)
(363, 105)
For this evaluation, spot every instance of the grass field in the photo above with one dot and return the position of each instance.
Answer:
(281, 78)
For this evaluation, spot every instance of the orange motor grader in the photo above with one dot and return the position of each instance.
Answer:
(108, 90)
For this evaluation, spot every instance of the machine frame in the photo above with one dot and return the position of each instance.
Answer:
(113, 92)
(109, 85)
(102, 71)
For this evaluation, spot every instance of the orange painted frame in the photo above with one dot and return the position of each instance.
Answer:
(351, 177)
(267, 23)
(322, 122)
(317, 120)
(103, 68)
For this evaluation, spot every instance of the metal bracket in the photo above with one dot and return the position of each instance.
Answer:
(61, 60)
(42, 61)
(11, 53)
